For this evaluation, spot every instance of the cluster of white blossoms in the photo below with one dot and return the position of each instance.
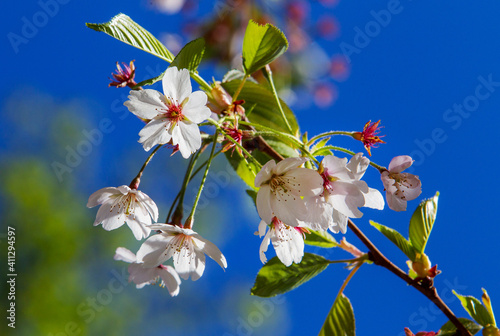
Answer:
(172, 117)
(292, 199)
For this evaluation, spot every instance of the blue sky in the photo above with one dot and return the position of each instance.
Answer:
(430, 71)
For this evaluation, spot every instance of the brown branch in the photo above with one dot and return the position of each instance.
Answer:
(263, 146)
(426, 288)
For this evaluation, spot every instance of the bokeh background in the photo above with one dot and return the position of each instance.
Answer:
(430, 71)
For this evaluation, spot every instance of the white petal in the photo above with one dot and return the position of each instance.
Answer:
(168, 228)
(176, 84)
(358, 165)
(374, 199)
(264, 245)
(346, 198)
(140, 275)
(400, 163)
(411, 186)
(319, 213)
(156, 132)
(412, 193)
(170, 279)
(395, 203)
(340, 222)
(305, 182)
(336, 167)
(288, 244)
(187, 136)
(101, 196)
(262, 228)
(289, 163)
(145, 104)
(152, 251)
(288, 208)
(125, 190)
(149, 204)
(110, 217)
(263, 202)
(139, 229)
(124, 254)
(210, 249)
(185, 259)
(199, 265)
(361, 185)
(265, 173)
(386, 179)
(195, 109)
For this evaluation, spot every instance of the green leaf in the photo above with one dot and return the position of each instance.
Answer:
(281, 147)
(475, 309)
(123, 28)
(318, 150)
(190, 55)
(322, 152)
(266, 111)
(261, 46)
(275, 278)
(395, 237)
(151, 81)
(320, 239)
(245, 170)
(236, 74)
(422, 221)
(340, 319)
(449, 329)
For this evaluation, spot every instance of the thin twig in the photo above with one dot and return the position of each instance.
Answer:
(425, 288)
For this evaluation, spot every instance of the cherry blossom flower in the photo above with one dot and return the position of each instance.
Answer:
(369, 136)
(143, 276)
(400, 187)
(124, 205)
(281, 187)
(343, 193)
(186, 247)
(288, 241)
(173, 116)
(237, 135)
(123, 77)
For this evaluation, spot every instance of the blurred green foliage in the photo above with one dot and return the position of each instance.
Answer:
(67, 281)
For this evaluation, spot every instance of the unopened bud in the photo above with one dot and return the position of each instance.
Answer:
(491, 331)
(221, 99)
(421, 265)
(135, 182)
(345, 245)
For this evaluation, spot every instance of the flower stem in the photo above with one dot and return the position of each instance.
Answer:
(135, 182)
(326, 134)
(148, 159)
(349, 261)
(269, 75)
(272, 131)
(190, 178)
(190, 219)
(177, 217)
(228, 137)
(237, 93)
(346, 281)
(426, 289)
